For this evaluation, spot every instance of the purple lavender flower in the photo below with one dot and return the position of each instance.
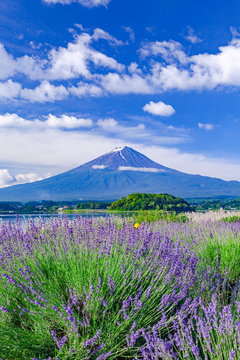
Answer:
(111, 284)
(59, 342)
(93, 340)
(104, 302)
(3, 309)
(104, 356)
(232, 355)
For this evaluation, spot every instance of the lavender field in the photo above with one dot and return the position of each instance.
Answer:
(104, 289)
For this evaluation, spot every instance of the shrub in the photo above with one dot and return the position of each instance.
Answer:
(222, 254)
(83, 288)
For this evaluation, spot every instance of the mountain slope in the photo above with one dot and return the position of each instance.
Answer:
(116, 174)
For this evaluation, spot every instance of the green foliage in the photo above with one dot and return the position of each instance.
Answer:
(33, 207)
(231, 219)
(153, 216)
(93, 205)
(138, 201)
(215, 204)
(222, 254)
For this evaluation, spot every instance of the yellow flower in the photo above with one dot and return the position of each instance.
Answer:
(137, 225)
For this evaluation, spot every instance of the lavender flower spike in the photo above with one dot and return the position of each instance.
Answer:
(93, 340)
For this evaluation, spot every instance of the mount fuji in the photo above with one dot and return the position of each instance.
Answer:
(119, 173)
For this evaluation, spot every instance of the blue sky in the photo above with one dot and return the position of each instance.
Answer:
(78, 78)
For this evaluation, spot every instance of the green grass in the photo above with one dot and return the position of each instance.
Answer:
(231, 219)
(157, 215)
(221, 254)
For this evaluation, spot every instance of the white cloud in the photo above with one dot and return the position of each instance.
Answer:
(9, 89)
(8, 179)
(125, 84)
(7, 64)
(101, 34)
(167, 66)
(51, 121)
(72, 61)
(141, 169)
(112, 128)
(177, 70)
(183, 72)
(86, 89)
(87, 3)
(235, 32)
(45, 92)
(107, 123)
(130, 32)
(75, 59)
(159, 108)
(5, 178)
(217, 167)
(13, 120)
(191, 36)
(67, 122)
(99, 167)
(170, 51)
(27, 178)
(205, 126)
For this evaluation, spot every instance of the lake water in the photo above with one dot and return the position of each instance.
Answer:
(27, 217)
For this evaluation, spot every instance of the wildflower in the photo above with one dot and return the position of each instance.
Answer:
(136, 225)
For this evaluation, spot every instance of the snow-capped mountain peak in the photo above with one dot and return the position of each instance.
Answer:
(123, 157)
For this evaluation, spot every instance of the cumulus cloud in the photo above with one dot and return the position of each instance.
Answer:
(159, 108)
(9, 66)
(51, 121)
(13, 120)
(72, 61)
(76, 58)
(26, 178)
(202, 71)
(8, 179)
(170, 67)
(5, 178)
(167, 66)
(205, 126)
(67, 122)
(87, 3)
(45, 92)
(9, 89)
(170, 51)
(126, 84)
(86, 89)
(107, 123)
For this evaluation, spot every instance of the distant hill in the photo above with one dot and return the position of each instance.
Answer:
(116, 174)
(140, 201)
